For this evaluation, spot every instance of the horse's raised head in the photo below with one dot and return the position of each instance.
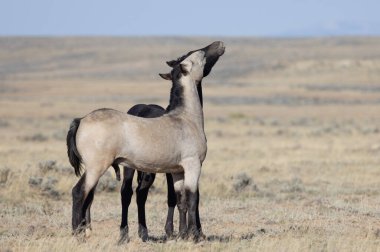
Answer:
(201, 61)
(196, 64)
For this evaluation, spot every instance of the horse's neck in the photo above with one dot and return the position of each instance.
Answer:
(192, 103)
(176, 96)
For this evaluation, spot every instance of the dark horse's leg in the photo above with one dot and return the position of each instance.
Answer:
(117, 171)
(83, 195)
(126, 195)
(172, 202)
(145, 181)
(198, 220)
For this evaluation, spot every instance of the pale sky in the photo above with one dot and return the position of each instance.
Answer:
(187, 18)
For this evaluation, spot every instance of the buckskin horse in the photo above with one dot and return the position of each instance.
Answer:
(172, 143)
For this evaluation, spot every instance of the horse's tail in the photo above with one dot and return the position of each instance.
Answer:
(72, 151)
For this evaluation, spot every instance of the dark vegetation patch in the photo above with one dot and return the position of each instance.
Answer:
(47, 178)
(7, 89)
(293, 189)
(60, 117)
(288, 100)
(38, 137)
(46, 185)
(341, 87)
(49, 172)
(107, 183)
(228, 238)
(5, 174)
(4, 123)
(303, 126)
(51, 165)
(243, 182)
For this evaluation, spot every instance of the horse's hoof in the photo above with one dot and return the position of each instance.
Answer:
(196, 238)
(183, 235)
(87, 233)
(124, 238)
(169, 230)
(143, 233)
(79, 230)
(80, 235)
(202, 236)
(196, 235)
(170, 237)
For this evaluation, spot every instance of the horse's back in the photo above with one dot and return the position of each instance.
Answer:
(104, 115)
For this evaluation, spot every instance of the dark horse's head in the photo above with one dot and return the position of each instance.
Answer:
(211, 52)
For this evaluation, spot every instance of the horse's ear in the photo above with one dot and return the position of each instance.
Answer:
(171, 63)
(186, 67)
(167, 76)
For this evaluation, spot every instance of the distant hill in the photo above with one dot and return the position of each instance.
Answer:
(246, 60)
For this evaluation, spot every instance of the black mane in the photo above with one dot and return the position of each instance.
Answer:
(200, 94)
(176, 93)
(176, 96)
(173, 63)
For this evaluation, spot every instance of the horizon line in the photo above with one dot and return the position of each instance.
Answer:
(187, 36)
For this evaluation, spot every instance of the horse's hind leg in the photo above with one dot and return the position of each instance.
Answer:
(172, 202)
(88, 214)
(145, 181)
(78, 199)
(83, 194)
(126, 195)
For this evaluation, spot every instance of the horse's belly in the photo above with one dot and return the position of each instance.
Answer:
(150, 149)
(151, 167)
(147, 160)
(157, 169)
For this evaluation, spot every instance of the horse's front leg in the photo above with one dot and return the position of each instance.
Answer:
(172, 202)
(178, 181)
(145, 181)
(126, 195)
(192, 168)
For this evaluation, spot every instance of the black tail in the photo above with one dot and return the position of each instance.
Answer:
(72, 151)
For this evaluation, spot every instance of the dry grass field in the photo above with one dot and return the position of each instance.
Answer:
(293, 129)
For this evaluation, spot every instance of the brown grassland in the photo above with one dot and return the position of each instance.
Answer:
(293, 128)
